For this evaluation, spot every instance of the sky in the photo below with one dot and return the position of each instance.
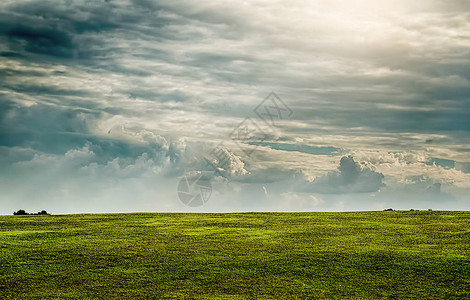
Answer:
(226, 106)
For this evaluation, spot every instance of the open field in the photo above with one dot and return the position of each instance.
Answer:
(356, 255)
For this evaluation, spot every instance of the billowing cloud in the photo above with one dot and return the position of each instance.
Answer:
(226, 163)
(351, 177)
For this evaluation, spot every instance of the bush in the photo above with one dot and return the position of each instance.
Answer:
(22, 212)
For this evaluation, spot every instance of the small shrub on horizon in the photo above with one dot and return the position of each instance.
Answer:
(22, 212)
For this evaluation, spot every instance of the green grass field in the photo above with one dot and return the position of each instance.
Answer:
(356, 255)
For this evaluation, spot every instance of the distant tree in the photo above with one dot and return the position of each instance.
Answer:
(388, 209)
(20, 212)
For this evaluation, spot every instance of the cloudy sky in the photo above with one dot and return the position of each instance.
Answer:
(105, 106)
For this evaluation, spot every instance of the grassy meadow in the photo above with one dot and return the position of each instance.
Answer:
(349, 255)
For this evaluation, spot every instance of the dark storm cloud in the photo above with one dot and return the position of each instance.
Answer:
(55, 28)
(44, 128)
(53, 129)
(36, 35)
(41, 40)
(46, 90)
(10, 54)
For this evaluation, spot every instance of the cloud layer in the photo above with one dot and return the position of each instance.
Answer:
(351, 177)
(124, 97)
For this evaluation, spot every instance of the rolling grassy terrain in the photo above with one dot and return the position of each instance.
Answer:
(356, 255)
